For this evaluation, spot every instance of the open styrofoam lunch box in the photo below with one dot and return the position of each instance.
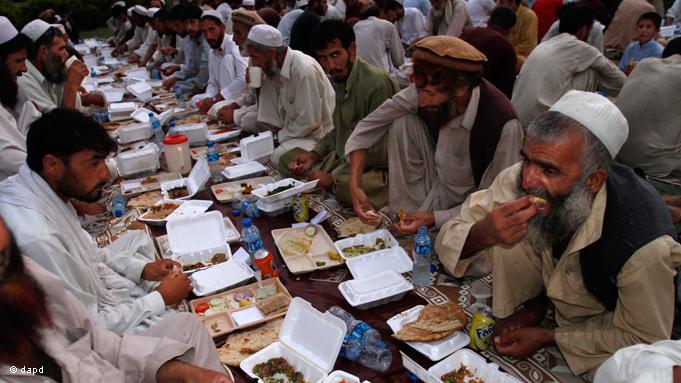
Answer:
(388, 259)
(194, 182)
(489, 372)
(141, 90)
(435, 350)
(198, 238)
(295, 187)
(219, 137)
(112, 94)
(219, 277)
(339, 376)
(274, 209)
(142, 115)
(185, 208)
(134, 132)
(248, 170)
(258, 147)
(368, 239)
(160, 222)
(309, 340)
(375, 290)
(121, 110)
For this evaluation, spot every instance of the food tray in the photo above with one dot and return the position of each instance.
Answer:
(341, 376)
(198, 238)
(247, 170)
(309, 340)
(200, 152)
(298, 262)
(394, 258)
(220, 277)
(219, 137)
(367, 239)
(224, 192)
(275, 209)
(378, 289)
(435, 350)
(297, 187)
(141, 185)
(160, 222)
(231, 233)
(476, 364)
(224, 323)
(189, 208)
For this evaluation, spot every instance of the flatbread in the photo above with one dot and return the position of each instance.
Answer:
(354, 226)
(145, 200)
(241, 345)
(434, 322)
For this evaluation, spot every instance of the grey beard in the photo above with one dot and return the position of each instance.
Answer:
(562, 221)
(272, 70)
(55, 71)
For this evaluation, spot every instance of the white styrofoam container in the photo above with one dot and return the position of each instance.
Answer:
(113, 94)
(274, 209)
(194, 182)
(189, 208)
(257, 147)
(378, 289)
(309, 340)
(121, 110)
(142, 115)
(137, 162)
(137, 74)
(367, 265)
(667, 31)
(247, 170)
(415, 368)
(435, 350)
(141, 90)
(197, 238)
(160, 222)
(134, 132)
(220, 277)
(366, 239)
(341, 376)
(476, 364)
(222, 136)
(196, 133)
(101, 69)
(298, 187)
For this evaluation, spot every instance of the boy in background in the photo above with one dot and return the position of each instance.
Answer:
(648, 27)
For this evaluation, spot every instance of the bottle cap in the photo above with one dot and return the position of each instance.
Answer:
(423, 230)
(236, 212)
(210, 144)
(150, 114)
(247, 223)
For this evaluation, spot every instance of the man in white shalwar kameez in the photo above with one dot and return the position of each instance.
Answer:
(149, 40)
(378, 42)
(66, 152)
(296, 98)
(226, 67)
(51, 335)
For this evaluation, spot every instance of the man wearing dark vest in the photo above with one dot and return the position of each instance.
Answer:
(449, 134)
(568, 224)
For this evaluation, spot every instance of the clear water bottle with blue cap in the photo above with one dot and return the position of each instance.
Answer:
(104, 117)
(423, 248)
(118, 205)
(249, 207)
(156, 130)
(178, 96)
(93, 72)
(100, 57)
(252, 239)
(213, 162)
(97, 117)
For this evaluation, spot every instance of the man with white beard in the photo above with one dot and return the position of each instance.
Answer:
(570, 225)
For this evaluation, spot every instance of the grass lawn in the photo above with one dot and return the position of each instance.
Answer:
(103, 32)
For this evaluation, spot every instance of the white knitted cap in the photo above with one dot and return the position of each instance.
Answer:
(7, 30)
(266, 35)
(301, 3)
(248, 3)
(151, 12)
(598, 114)
(213, 13)
(121, 3)
(35, 29)
(140, 10)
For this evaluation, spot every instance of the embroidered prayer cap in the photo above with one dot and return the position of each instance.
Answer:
(246, 17)
(120, 3)
(7, 30)
(214, 14)
(248, 3)
(266, 35)
(140, 10)
(35, 29)
(598, 114)
(151, 12)
(450, 52)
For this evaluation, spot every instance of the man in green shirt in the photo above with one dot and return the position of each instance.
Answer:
(360, 88)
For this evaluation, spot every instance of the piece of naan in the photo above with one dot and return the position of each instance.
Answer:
(145, 200)
(241, 345)
(433, 323)
(353, 226)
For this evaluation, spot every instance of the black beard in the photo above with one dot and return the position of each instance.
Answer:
(8, 87)
(68, 186)
(439, 118)
(55, 70)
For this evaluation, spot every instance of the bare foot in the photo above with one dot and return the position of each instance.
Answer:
(530, 315)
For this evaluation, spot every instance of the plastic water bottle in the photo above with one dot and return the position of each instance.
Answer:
(252, 240)
(93, 73)
(178, 96)
(118, 205)
(156, 130)
(104, 117)
(97, 117)
(100, 57)
(249, 208)
(423, 247)
(213, 162)
(377, 358)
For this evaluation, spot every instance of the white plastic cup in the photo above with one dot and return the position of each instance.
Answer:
(255, 76)
(70, 62)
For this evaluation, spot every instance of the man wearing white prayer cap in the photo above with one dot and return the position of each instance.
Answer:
(296, 99)
(248, 5)
(139, 54)
(139, 21)
(569, 224)
(49, 83)
(118, 22)
(226, 67)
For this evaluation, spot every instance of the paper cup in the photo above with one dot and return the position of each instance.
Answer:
(70, 61)
(255, 76)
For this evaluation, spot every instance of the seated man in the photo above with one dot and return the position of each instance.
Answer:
(65, 159)
(659, 362)
(570, 223)
(140, 27)
(193, 77)
(226, 67)
(622, 30)
(149, 43)
(449, 135)
(296, 99)
(447, 18)
(360, 88)
(523, 36)
(563, 63)
(48, 84)
(378, 42)
(645, 46)
(650, 101)
(409, 21)
(46, 329)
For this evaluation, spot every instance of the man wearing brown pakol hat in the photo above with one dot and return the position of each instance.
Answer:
(449, 134)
